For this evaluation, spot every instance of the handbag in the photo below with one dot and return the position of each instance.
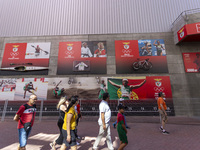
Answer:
(27, 125)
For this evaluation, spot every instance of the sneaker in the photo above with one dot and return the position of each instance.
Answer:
(114, 125)
(79, 138)
(161, 129)
(52, 145)
(165, 132)
(77, 143)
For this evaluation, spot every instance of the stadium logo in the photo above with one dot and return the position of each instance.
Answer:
(158, 83)
(15, 48)
(126, 45)
(69, 52)
(69, 47)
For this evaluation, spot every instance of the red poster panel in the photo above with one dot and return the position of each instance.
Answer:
(192, 62)
(156, 84)
(140, 56)
(139, 88)
(25, 59)
(81, 57)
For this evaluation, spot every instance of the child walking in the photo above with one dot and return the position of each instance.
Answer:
(121, 129)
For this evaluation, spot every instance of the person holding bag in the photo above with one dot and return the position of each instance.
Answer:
(25, 117)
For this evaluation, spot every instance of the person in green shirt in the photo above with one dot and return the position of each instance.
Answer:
(121, 129)
(102, 89)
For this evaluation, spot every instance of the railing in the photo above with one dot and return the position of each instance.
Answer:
(184, 15)
(88, 108)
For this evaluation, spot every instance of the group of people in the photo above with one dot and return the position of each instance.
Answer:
(69, 114)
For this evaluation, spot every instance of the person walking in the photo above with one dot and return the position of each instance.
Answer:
(104, 123)
(121, 129)
(121, 102)
(62, 107)
(25, 117)
(69, 125)
(162, 107)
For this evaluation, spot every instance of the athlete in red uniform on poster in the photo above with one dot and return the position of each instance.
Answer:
(28, 87)
(100, 52)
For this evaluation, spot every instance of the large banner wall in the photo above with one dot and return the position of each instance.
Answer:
(141, 56)
(82, 57)
(25, 59)
(88, 88)
(139, 93)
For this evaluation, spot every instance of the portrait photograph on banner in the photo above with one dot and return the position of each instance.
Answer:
(87, 88)
(140, 56)
(7, 88)
(192, 61)
(82, 57)
(26, 59)
(28, 86)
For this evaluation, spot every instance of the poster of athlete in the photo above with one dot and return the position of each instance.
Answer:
(191, 62)
(141, 56)
(25, 59)
(139, 88)
(87, 88)
(140, 93)
(7, 88)
(27, 86)
(82, 57)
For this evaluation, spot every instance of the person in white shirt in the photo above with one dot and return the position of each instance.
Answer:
(104, 123)
(85, 51)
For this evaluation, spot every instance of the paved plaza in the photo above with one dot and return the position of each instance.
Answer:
(143, 135)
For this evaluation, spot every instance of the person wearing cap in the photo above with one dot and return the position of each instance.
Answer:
(162, 107)
(121, 102)
(104, 123)
(121, 129)
(25, 114)
(125, 88)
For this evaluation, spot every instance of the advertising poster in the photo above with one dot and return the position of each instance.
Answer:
(139, 88)
(192, 62)
(140, 94)
(25, 59)
(87, 88)
(7, 89)
(27, 86)
(82, 57)
(141, 56)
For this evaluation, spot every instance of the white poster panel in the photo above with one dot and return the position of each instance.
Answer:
(27, 86)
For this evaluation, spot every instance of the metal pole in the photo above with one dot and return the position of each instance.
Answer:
(4, 111)
(41, 108)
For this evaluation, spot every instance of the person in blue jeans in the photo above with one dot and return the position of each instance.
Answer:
(121, 102)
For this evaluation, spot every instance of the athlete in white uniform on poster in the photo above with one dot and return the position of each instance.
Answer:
(85, 51)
